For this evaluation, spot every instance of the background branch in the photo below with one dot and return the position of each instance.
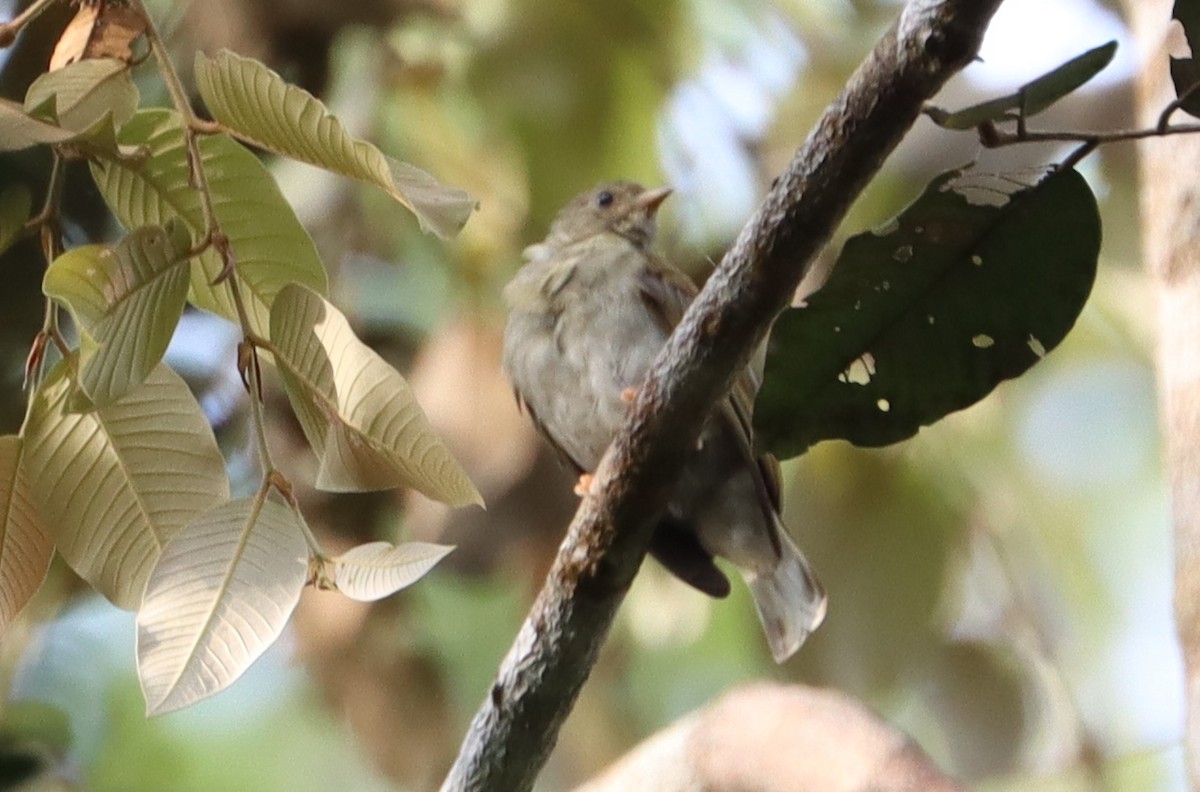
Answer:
(516, 726)
(1169, 217)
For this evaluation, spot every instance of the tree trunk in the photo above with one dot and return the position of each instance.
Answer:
(1170, 207)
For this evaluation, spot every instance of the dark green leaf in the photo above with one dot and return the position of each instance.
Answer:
(929, 315)
(1188, 14)
(1185, 72)
(1032, 97)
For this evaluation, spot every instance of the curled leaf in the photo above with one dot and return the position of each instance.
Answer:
(126, 300)
(256, 104)
(378, 569)
(358, 413)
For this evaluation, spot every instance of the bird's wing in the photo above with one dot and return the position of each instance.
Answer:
(566, 458)
(668, 292)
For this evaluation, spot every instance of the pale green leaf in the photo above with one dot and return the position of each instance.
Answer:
(25, 543)
(19, 130)
(270, 245)
(220, 595)
(378, 569)
(82, 93)
(358, 413)
(126, 300)
(255, 104)
(113, 485)
(15, 207)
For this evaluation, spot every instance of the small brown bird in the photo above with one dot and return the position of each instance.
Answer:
(588, 313)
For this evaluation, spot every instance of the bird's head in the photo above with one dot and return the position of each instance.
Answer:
(620, 207)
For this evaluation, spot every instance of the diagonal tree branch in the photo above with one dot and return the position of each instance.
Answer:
(540, 678)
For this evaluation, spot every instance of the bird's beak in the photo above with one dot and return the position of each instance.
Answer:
(650, 200)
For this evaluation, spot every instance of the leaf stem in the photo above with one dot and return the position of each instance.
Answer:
(1165, 117)
(193, 127)
(49, 227)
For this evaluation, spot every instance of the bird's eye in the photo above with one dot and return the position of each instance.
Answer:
(604, 199)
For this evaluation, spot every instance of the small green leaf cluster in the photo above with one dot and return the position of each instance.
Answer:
(116, 465)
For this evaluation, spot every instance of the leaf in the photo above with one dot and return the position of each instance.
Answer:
(271, 246)
(82, 93)
(1033, 97)
(114, 485)
(376, 570)
(99, 30)
(1185, 72)
(255, 104)
(930, 315)
(19, 130)
(358, 413)
(220, 595)
(25, 543)
(126, 300)
(1188, 14)
(15, 207)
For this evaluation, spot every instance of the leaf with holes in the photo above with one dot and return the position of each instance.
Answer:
(82, 93)
(270, 245)
(220, 595)
(25, 543)
(126, 301)
(256, 105)
(928, 315)
(115, 484)
(1033, 97)
(358, 413)
(378, 569)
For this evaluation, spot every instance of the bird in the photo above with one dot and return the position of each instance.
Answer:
(587, 314)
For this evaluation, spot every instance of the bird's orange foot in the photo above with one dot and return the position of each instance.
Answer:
(628, 395)
(584, 485)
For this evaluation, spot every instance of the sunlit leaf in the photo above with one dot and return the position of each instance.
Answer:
(271, 246)
(15, 207)
(126, 300)
(358, 413)
(113, 485)
(928, 315)
(255, 104)
(84, 92)
(1033, 97)
(220, 595)
(375, 570)
(25, 543)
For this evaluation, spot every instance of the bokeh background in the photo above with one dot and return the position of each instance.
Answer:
(999, 585)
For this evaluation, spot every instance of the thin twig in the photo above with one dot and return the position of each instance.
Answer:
(10, 29)
(1164, 118)
(537, 684)
(998, 138)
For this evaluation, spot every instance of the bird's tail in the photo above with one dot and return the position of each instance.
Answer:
(789, 599)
